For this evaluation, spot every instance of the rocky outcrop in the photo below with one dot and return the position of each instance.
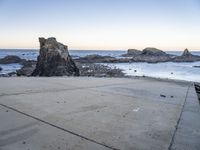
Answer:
(153, 52)
(27, 69)
(11, 59)
(96, 59)
(186, 57)
(150, 55)
(102, 59)
(132, 52)
(186, 53)
(1, 69)
(54, 60)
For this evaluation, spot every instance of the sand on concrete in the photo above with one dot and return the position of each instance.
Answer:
(98, 113)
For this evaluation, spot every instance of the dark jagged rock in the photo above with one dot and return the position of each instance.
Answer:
(1, 69)
(132, 52)
(186, 57)
(27, 69)
(186, 53)
(11, 59)
(54, 60)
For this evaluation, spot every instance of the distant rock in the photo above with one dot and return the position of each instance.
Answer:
(96, 59)
(186, 57)
(1, 69)
(153, 52)
(11, 59)
(186, 53)
(54, 60)
(132, 52)
(152, 55)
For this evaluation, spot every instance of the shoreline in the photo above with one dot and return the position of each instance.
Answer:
(119, 73)
(125, 77)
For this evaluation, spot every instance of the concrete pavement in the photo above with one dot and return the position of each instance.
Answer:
(98, 113)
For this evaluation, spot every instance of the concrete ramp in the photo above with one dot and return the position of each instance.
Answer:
(98, 113)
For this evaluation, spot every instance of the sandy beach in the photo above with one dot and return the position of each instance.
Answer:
(98, 113)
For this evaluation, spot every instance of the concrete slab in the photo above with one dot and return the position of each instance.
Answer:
(187, 135)
(20, 132)
(116, 112)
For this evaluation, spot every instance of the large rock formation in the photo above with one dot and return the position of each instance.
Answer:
(151, 55)
(186, 57)
(11, 59)
(54, 60)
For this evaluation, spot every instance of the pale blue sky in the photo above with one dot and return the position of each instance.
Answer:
(101, 24)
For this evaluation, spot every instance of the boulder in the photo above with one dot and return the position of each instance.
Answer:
(54, 60)
(27, 69)
(11, 59)
(186, 57)
(153, 52)
(132, 52)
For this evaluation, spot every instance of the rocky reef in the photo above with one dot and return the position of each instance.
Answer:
(85, 69)
(132, 52)
(150, 55)
(54, 60)
(186, 57)
(11, 59)
(154, 55)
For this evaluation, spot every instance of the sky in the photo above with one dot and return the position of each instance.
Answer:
(101, 24)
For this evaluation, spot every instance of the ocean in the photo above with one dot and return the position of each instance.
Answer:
(167, 70)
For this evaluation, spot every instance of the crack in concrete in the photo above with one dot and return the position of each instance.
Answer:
(63, 129)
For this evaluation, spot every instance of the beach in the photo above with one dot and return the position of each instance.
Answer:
(98, 113)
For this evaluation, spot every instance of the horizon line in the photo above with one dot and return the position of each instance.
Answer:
(94, 49)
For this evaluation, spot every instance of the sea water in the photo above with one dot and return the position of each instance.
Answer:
(170, 70)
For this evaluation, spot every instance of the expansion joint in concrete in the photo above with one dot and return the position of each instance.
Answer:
(63, 129)
(177, 124)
